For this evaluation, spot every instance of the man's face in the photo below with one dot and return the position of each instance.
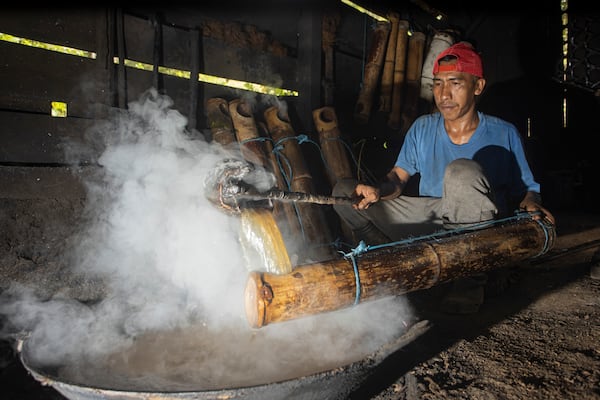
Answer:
(454, 92)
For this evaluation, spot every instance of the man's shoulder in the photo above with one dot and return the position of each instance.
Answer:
(496, 122)
(427, 121)
(430, 117)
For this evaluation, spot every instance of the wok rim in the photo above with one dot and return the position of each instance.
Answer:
(367, 363)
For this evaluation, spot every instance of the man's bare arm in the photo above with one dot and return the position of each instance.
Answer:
(394, 184)
(389, 189)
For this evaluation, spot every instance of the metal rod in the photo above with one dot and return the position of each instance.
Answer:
(281, 195)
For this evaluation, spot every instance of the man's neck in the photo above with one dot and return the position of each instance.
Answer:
(461, 129)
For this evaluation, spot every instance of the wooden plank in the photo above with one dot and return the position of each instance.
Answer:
(41, 139)
(71, 27)
(33, 77)
(42, 182)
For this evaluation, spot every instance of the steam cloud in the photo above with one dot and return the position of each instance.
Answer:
(170, 259)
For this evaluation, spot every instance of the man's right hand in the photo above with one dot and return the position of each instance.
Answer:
(368, 195)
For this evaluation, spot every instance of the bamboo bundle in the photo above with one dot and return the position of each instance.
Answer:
(260, 236)
(314, 227)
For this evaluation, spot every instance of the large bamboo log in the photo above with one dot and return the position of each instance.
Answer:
(372, 72)
(334, 152)
(399, 75)
(316, 233)
(394, 270)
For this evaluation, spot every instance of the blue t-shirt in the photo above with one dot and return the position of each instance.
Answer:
(496, 145)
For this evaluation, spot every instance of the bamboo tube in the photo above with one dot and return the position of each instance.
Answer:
(329, 27)
(390, 271)
(312, 219)
(372, 72)
(440, 42)
(399, 75)
(414, 67)
(334, 152)
(246, 132)
(219, 121)
(387, 77)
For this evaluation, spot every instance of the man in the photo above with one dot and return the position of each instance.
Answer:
(472, 168)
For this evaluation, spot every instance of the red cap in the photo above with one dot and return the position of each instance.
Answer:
(467, 60)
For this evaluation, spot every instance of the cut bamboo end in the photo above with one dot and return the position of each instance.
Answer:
(255, 300)
(325, 118)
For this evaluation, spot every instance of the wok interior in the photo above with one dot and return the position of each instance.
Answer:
(197, 358)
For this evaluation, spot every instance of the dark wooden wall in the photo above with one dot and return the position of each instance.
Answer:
(272, 43)
(33, 77)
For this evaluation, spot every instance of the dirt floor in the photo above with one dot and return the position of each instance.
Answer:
(537, 339)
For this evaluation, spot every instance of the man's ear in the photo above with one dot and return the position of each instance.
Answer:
(479, 86)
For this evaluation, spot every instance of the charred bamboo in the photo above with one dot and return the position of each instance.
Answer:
(329, 27)
(394, 270)
(394, 118)
(414, 68)
(372, 72)
(387, 76)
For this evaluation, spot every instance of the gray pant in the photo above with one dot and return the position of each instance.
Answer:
(467, 199)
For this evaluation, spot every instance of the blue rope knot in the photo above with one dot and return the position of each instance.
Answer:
(302, 138)
(358, 250)
(277, 148)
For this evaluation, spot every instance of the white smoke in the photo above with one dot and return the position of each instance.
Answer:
(164, 246)
(170, 259)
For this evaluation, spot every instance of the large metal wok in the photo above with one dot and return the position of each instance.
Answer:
(161, 366)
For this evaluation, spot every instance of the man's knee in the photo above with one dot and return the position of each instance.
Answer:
(463, 170)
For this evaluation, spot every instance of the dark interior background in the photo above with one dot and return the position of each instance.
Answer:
(279, 43)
